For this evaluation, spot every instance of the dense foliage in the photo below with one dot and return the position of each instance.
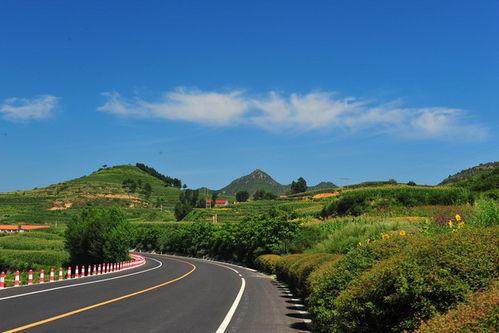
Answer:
(261, 194)
(357, 202)
(188, 199)
(167, 180)
(486, 183)
(470, 173)
(99, 235)
(479, 314)
(298, 186)
(242, 196)
(269, 232)
(394, 283)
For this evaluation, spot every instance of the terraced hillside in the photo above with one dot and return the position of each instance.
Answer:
(144, 197)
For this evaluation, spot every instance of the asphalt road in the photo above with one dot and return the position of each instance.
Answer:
(167, 294)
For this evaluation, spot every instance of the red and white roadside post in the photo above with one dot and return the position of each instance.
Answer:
(82, 270)
(89, 270)
(30, 277)
(61, 275)
(68, 277)
(17, 283)
(77, 275)
(94, 272)
(2, 280)
(42, 276)
(52, 275)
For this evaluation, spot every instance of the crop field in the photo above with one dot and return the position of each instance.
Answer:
(32, 250)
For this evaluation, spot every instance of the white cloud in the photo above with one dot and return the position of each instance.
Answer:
(25, 109)
(300, 112)
(188, 105)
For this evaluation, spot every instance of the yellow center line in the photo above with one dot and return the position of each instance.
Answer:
(67, 314)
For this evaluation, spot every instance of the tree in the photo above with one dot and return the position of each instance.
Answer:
(242, 196)
(99, 235)
(187, 200)
(263, 195)
(411, 183)
(147, 190)
(299, 186)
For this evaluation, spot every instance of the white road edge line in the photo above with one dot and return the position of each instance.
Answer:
(84, 283)
(228, 317)
(233, 308)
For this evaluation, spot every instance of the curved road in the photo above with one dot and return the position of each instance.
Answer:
(167, 294)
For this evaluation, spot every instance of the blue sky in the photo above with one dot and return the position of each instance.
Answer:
(345, 91)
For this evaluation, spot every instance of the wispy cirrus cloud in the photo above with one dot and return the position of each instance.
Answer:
(299, 112)
(26, 109)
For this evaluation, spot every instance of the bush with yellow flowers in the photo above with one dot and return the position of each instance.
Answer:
(427, 278)
(456, 223)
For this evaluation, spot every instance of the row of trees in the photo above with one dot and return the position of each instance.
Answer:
(271, 232)
(175, 182)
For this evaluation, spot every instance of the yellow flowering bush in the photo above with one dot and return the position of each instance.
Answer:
(456, 223)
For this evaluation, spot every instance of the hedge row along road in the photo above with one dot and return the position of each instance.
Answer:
(167, 294)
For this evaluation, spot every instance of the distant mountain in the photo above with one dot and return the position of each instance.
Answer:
(256, 180)
(322, 186)
(259, 179)
(470, 172)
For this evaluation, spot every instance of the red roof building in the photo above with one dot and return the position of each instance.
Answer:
(217, 203)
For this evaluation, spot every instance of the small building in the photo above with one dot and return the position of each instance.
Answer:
(217, 203)
(12, 228)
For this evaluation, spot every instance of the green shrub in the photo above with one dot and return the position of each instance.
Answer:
(347, 234)
(267, 263)
(295, 268)
(330, 280)
(424, 280)
(479, 314)
(306, 237)
(486, 214)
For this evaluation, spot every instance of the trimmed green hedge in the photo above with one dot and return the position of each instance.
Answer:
(332, 278)
(267, 263)
(428, 277)
(294, 269)
(479, 314)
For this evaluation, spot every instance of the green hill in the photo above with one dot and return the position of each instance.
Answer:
(466, 174)
(256, 180)
(259, 179)
(143, 195)
(322, 186)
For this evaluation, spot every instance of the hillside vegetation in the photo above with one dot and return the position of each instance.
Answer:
(149, 199)
(470, 172)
